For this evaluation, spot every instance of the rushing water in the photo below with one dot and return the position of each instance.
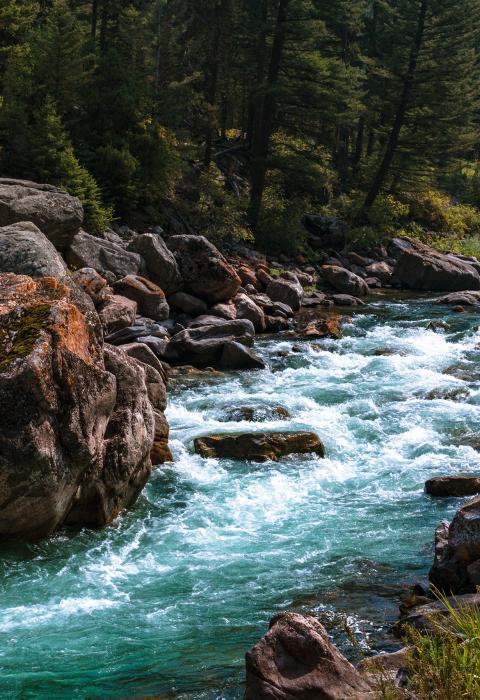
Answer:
(166, 602)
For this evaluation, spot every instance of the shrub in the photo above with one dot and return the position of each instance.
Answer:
(279, 228)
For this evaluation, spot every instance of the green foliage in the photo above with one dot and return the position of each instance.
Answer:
(279, 229)
(445, 664)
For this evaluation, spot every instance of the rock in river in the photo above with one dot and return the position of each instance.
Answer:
(457, 486)
(259, 447)
(77, 429)
(295, 660)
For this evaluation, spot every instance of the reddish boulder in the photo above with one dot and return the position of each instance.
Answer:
(259, 447)
(295, 660)
(149, 297)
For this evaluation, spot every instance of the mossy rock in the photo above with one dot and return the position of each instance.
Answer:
(20, 331)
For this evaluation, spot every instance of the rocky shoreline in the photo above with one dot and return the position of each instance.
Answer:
(92, 327)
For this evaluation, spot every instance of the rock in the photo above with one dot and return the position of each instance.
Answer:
(381, 270)
(382, 667)
(237, 356)
(288, 292)
(259, 447)
(93, 284)
(161, 264)
(359, 260)
(257, 414)
(423, 617)
(421, 267)
(247, 276)
(204, 270)
(438, 325)
(57, 214)
(457, 547)
(149, 297)
(447, 394)
(295, 660)
(246, 308)
(345, 281)
(129, 439)
(141, 328)
(264, 277)
(330, 327)
(142, 353)
(316, 299)
(347, 300)
(117, 312)
(456, 486)
(156, 384)
(276, 324)
(25, 250)
(203, 346)
(182, 301)
(104, 256)
(326, 232)
(160, 452)
(460, 298)
(225, 311)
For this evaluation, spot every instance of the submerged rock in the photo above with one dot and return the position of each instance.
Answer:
(295, 660)
(257, 413)
(259, 447)
(330, 327)
(458, 485)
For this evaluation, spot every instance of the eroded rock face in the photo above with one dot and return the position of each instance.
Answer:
(77, 419)
(259, 447)
(57, 214)
(205, 272)
(295, 660)
(423, 268)
(56, 398)
(25, 250)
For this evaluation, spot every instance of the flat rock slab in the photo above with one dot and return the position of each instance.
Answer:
(259, 447)
(453, 486)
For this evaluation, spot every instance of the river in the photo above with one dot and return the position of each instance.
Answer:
(166, 601)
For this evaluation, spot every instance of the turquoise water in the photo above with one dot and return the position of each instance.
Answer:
(166, 602)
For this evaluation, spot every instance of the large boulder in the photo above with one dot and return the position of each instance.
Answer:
(25, 250)
(326, 232)
(420, 267)
(104, 256)
(77, 421)
(286, 291)
(161, 264)
(460, 299)
(259, 447)
(344, 281)
(187, 303)
(57, 214)
(456, 566)
(237, 356)
(205, 272)
(56, 399)
(246, 308)
(126, 465)
(295, 660)
(149, 297)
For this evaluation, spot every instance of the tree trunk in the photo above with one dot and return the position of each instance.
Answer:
(393, 140)
(264, 116)
(93, 19)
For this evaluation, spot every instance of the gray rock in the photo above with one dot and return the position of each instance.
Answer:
(237, 356)
(460, 299)
(288, 292)
(161, 264)
(104, 256)
(57, 214)
(182, 301)
(246, 308)
(25, 250)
